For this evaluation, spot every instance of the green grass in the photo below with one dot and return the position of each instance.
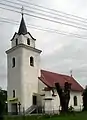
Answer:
(76, 116)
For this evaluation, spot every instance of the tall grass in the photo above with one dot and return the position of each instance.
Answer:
(75, 116)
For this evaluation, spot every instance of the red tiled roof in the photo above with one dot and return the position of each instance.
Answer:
(50, 78)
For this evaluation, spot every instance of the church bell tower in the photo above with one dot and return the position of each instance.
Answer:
(22, 70)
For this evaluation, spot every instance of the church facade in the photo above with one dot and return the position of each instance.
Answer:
(30, 88)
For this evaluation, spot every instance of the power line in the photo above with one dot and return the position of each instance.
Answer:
(9, 20)
(72, 35)
(4, 8)
(43, 18)
(9, 6)
(56, 18)
(35, 16)
(5, 20)
(51, 9)
(36, 12)
(43, 10)
(47, 15)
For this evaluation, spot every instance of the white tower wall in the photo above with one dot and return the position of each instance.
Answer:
(29, 75)
(23, 78)
(14, 75)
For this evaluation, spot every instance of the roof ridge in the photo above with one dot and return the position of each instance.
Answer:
(56, 73)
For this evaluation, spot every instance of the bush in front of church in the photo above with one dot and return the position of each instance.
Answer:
(85, 99)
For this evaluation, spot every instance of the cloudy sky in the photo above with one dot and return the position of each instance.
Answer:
(61, 53)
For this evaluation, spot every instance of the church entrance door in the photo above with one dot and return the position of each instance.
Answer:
(14, 109)
(34, 100)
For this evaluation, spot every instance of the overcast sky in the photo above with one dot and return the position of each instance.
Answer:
(61, 53)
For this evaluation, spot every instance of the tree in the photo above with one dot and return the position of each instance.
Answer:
(64, 95)
(85, 99)
(2, 104)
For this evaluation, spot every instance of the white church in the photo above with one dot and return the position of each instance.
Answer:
(30, 88)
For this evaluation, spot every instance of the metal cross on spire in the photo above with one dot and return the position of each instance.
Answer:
(22, 10)
(71, 73)
(22, 29)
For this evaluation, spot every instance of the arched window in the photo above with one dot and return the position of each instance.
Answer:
(16, 41)
(31, 61)
(13, 93)
(28, 41)
(13, 62)
(75, 100)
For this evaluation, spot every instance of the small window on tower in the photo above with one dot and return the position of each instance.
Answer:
(13, 93)
(31, 61)
(16, 41)
(28, 41)
(13, 62)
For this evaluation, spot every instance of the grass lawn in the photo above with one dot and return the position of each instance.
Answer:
(76, 116)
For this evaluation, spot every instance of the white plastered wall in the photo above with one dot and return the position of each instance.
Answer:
(23, 78)
(14, 75)
(29, 76)
(22, 39)
(79, 100)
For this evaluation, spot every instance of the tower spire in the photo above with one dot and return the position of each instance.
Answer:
(22, 28)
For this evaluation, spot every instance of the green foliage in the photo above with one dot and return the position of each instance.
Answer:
(76, 116)
(85, 99)
(2, 103)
